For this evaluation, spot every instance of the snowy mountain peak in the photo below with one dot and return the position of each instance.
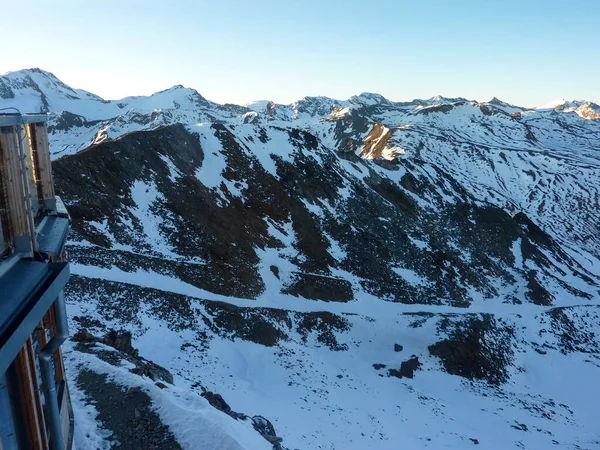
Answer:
(316, 106)
(369, 98)
(583, 108)
(258, 105)
(553, 104)
(177, 96)
(440, 99)
(176, 88)
(35, 90)
(37, 74)
(587, 110)
(496, 101)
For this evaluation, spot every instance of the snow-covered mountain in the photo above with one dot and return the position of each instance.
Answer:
(366, 274)
(80, 118)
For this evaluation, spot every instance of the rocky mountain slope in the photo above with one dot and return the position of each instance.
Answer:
(364, 273)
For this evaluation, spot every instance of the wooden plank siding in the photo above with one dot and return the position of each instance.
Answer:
(59, 368)
(31, 397)
(9, 149)
(38, 136)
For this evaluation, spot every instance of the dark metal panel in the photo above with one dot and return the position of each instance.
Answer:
(30, 312)
(8, 432)
(52, 234)
(7, 120)
(15, 388)
(17, 285)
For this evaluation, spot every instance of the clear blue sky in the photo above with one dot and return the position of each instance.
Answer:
(525, 52)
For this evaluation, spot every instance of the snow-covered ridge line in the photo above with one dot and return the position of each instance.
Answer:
(80, 118)
(25, 84)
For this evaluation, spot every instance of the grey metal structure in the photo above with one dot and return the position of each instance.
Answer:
(33, 274)
(12, 119)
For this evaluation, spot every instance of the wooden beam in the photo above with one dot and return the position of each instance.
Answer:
(16, 200)
(41, 329)
(29, 176)
(38, 133)
(20, 216)
(36, 391)
(59, 368)
(35, 163)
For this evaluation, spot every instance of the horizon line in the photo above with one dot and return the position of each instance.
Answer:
(554, 102)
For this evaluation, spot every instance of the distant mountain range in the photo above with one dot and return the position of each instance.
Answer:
(81, 118)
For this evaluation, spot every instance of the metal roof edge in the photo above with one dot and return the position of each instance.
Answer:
(9, 120)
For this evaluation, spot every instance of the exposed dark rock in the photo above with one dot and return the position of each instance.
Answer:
(84, 335)
(266, 429)
(106, 173)
(275, 270)
(410, 183)
(485, 110)
(217, 401)
(520, 427)
(67, 120)
(537, 293)
(88, 322)
(317, 287)
(394, 194)
(120, 340)
(266, 326)
(398, 348)
(153, 371)
(325, 324)
(260, 424)
(128, 425)
(435, 109)
(126, 413)
(407, 368)
(478, 347)
(571, 327)
(248, 323)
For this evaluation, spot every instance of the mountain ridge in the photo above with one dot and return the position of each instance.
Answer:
(363, 97)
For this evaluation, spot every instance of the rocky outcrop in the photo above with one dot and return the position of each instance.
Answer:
(407, 368)
(127, 412)
(478, 347)
(120, 341)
